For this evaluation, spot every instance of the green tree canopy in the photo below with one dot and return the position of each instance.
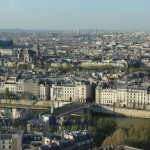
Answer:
(137, 135)
(118, 138)
(6, 93)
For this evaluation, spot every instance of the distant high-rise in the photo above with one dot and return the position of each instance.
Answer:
(96, 31)
(79, 32)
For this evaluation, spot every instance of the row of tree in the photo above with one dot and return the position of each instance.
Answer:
(137, 135)
(70, 68)
(131, 70)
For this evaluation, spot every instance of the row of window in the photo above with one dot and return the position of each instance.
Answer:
(6, 147)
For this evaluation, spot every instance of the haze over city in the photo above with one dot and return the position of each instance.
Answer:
(74, 75)
(75, 15)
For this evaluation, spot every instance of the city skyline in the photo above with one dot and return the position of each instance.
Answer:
(75, 15)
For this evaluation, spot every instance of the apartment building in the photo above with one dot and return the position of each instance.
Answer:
(10, 140)
(31, 87)
(6, 124)
(37, 125)
(2, 85)
(127, 96)
(14, 113)
(83, 139)
(106, 96)
(71, 92)
(20, 86)
(10, 83)
(28, 87)
(44, 91)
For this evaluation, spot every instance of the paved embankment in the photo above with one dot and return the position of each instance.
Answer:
(40, 104)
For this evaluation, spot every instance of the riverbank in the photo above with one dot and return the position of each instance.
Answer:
(35, 104)
(103, 109)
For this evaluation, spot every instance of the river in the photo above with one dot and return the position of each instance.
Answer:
(125, 121)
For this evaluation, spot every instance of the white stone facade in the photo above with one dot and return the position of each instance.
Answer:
(73, 92)
(131, 96)
(10, 141)
(21, 86)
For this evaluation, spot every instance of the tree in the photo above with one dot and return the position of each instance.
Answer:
(20, 128)
(101, 128)
(62, 128)
(50, 130)
(6, 93)
(22, 66)
(104, 128)
(118, 138)
(136, 136)
(75, 128)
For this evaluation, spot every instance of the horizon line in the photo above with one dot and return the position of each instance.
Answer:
(84, 29)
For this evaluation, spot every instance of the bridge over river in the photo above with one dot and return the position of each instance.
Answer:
(83, 108)
(75, 107)
(65, 108)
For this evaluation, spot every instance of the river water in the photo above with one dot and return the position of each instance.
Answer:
(125, 121)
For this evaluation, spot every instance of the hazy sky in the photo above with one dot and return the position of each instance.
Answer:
(75, 14)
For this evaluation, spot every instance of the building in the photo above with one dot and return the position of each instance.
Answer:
(40, 141)
(44, 91)
(74, 140)
(29, 55)
(125, 96)
(10, 140)
(20, 86)
(71, 92)
(5, 124)
(37, 125)
(83, 139)
(10, 83)
(26, 88)
(66, 144)
(5, 43)
(106, 95)
(14, 113)
(7, 52)
(31, 89)
(32, 141)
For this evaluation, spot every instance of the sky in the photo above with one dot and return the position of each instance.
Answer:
(75, 14)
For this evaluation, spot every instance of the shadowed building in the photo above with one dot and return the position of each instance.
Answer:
(29, 55)
(5, 43)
